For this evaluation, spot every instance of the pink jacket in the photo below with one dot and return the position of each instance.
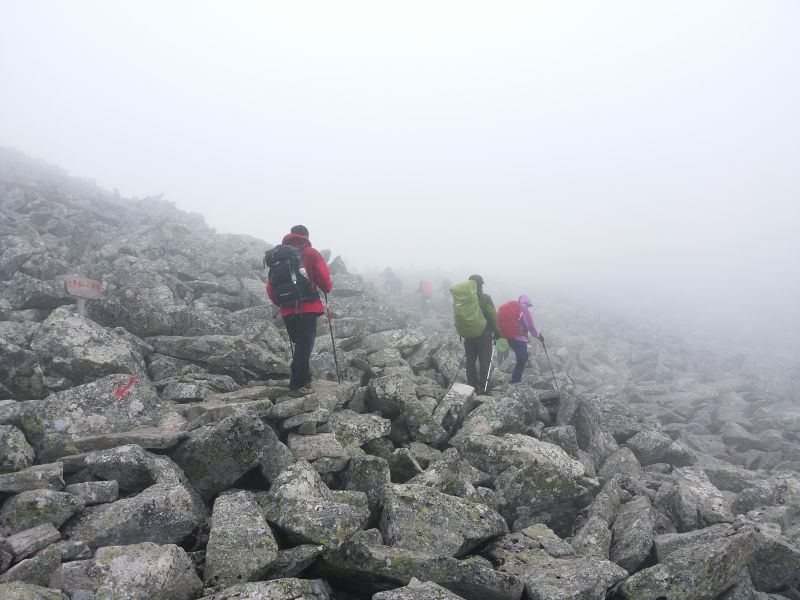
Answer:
(526, 326)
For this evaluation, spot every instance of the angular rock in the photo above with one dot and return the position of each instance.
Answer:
(633, 534)
(163, 514)
(451, 475)
(455, 406)
(38, 477)
(622, 462)
(403, 465)
(216, 456)
(419, 518)
(20, 374)
(404, 340)
(24, 292)
(369, 474)
(115, 403)
(133, 468)
(322, 448)
(15, 452)
(73, 350)
(40, 569)
(593, 538)
(240, 545)
(652, 447)
(700, 572)
(776, 563)
(300, 504)
(353, 429)
(692, 501)
(143, 570)
(417, 591)
(27, 542)
(395, 395)
(26, 591)
(38, 507)
(280, 589)
(95, 492)
(292, 562)
(667, 543)
(511, 413)
(367, 569)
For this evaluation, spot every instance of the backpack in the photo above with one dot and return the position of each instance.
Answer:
(470, 322)
(287, 276)
(508, 319)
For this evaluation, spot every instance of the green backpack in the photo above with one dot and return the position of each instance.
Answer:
(470, 322)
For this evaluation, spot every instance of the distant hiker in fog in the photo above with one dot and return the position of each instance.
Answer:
(425, 295)
(516, 325)
(445, 289)
(296, 274)
(476, 322)
(392, 284)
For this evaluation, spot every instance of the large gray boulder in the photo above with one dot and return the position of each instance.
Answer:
(163, 514)
(20, 373)
(692, 501)
(698, 571)
(354, 429)
(305, 510)
(72, 350)
(420, 518)
(215, 456)
(143, 570)
(15, 451)
(396, 395)
(370, 568)
(279, 589)
(240, 544)
(37, 477)
(23, 292)
(404, 340)
(17, 590)
(511, 413)
(115, 403)
(37, 507)
(652, 447)
(417, 591)
(530, 474)
(633, 534)
(452, 475)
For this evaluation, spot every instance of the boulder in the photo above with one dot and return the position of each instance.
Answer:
(394, 396)
(25, 543)
(240, 544)
(279, 589)
(304, 509)
(25, 591)
(115, 403)
(621, 462)
(369, 474)
(776, 563)
(94, 492)
(72, 350)
(38, 507)
(652, 447)
(511, 413)
(163, 514)
(323, 450)
(353, 429)
(692, 501)
(144, 570)
(23, 292)
(367, 568)
(216, 456)
(404, 340)
(132, 468)
(417, 591)
(43, 568)
(454, 406)
(20, 374)
(15, 452)
(420, 518)
(698, 571)
(633, 534)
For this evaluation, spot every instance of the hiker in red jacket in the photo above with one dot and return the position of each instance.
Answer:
(300, 316)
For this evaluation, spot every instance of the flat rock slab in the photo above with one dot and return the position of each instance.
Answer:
(26, 591)
(95, 492)
(38, 507)
(418, 591)
(367, 569)
(420, 518)
(279, 589)
(143, 570)
(354, 429)
(23, 544)
(151, 438)
(313, 447)
(113, 404)
(38, 477)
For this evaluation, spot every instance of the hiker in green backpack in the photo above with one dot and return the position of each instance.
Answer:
(476, 322)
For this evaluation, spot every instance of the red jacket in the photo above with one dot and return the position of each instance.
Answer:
(317, 271)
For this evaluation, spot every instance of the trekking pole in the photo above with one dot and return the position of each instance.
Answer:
(333, 341)
(551, 366)
(489, 374)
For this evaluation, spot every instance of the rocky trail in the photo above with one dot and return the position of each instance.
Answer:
(151, 450)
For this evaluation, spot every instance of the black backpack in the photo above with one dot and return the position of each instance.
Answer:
(287, 276)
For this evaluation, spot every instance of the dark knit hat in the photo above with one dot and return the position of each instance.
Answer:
(300, 229)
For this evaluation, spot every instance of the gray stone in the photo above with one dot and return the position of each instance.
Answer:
(667, 543)
(692, 501)
(26, 591)
(353, 429)
(38, 507)
(322, 447)
(15, 452)
(369, 474)
(163, 514)
(38, 477)
(292, 562)
(396, 395)
(74, 350)
(40, 569)
(451, 475)
(367, 569)
(280, 589)
(240, 545)
(776, 563)
(511, 413)
(133, 468)
(417, 591)
(420, 518)
(143, 570)
(633, 534)
(115, 403)
(95, 492)
(652, 447)
(700, 572)
(622, 462)
(403, 465)
(25, 543)
(593, 538)
(454, 406)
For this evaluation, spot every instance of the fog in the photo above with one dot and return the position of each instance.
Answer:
(637, 155)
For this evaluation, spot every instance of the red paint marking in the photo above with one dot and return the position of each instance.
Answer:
(124, 389)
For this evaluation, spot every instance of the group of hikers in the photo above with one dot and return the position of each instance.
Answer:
(298, 272)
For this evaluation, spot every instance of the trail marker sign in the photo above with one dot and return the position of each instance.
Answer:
(82, 288)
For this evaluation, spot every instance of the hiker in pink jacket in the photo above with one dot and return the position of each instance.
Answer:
(519, 343)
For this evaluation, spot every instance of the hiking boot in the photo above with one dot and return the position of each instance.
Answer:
(301, 391)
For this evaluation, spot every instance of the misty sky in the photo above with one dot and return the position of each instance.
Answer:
(640, 152)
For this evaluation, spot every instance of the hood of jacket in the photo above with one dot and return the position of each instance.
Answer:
(296, 240)
(524, 301)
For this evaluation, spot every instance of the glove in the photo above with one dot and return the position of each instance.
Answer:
(541, 337)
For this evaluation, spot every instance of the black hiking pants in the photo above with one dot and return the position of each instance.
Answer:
(478, 350)
(302, 330)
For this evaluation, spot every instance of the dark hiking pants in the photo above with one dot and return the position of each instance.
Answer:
(520, 349)
(302, 330)
(478, 350)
